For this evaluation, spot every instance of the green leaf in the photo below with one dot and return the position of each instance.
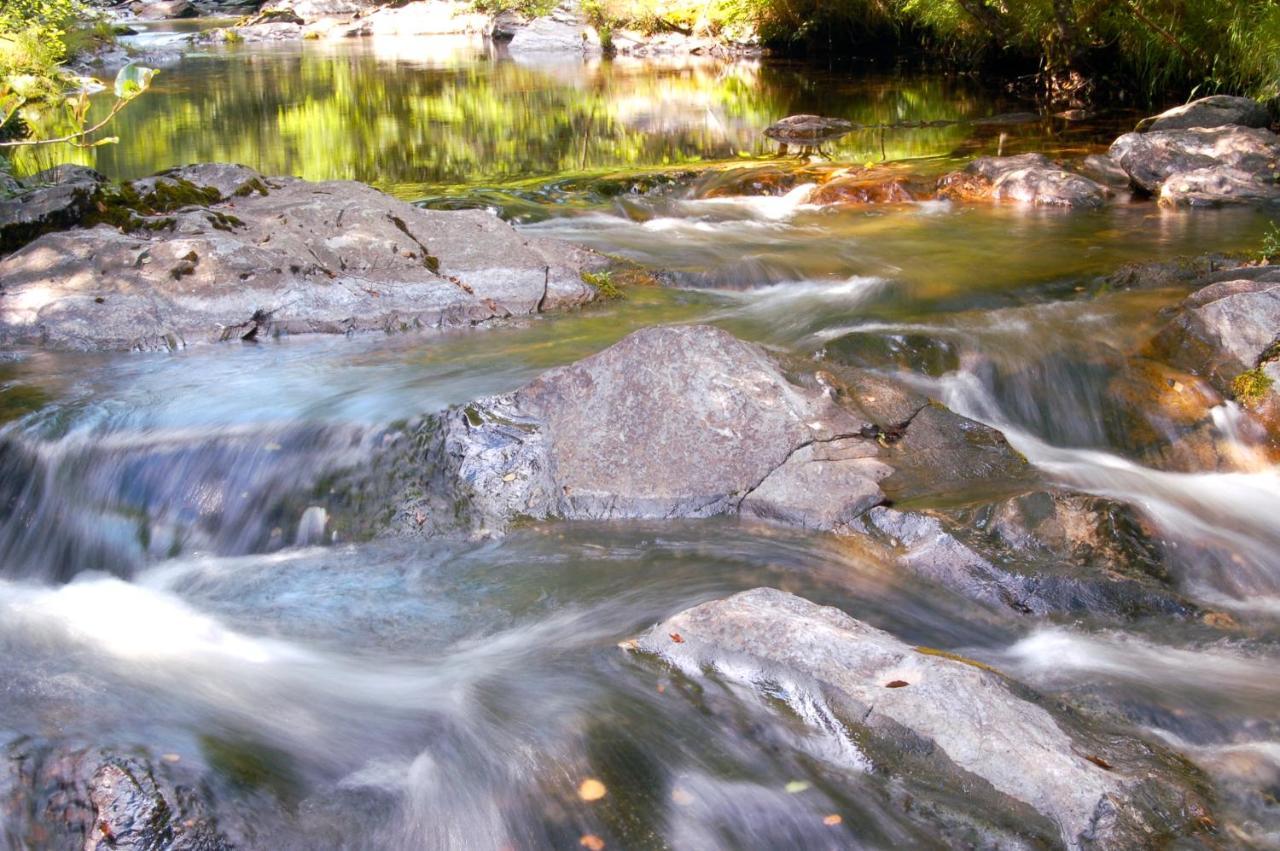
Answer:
(108, 140)
(133, 80)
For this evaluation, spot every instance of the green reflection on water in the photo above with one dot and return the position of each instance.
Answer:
(415, 115)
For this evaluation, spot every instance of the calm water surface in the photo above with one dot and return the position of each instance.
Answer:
(411, 694)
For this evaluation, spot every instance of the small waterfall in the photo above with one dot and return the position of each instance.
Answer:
(113, 502)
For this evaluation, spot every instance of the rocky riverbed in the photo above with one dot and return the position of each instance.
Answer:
(881, 465)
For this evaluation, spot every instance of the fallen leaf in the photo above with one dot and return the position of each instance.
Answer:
(832, 820)
(171, 757)
(509, 477)
(897, 684)
(795, 787)
(592, 842)
(681, 797)
(592, 790)
(1099, 761)
(675, 636)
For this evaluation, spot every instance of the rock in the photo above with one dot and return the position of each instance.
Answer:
(1223, 329)
(1027, 178)
(164, 9)
(698, 424)
(428, 17)
(941, 454)
(507, 23)
(1218, 186)
(298, 257)
(1233, 161)
(228, 180)
(51, 200)
(808, 130)
(822, 486)
(99, 799)
(941, 724)
(1104, 170)
(306, 11)
(565, 32)
(670, 422)
(1213, 111)
(1042, 552)
(862, 190)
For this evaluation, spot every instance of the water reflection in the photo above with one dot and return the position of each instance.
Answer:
(410, 115)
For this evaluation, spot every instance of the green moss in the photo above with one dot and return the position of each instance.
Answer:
(604, 284)
(1251, 387)
(252, 186)
(170, 195)
(222, 221)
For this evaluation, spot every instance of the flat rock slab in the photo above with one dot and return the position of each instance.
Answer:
(254, 257)
(941, 721)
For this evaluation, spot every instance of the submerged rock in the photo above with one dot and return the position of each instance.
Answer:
(51, 200)
(1026, 178)
(1222, 165)
(274, 256)
(99, 799)
(1212, 111)
(943, 725)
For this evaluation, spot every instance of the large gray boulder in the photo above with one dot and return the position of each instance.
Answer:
(1212, 111)
(1222, 165)
(1026, 178)
(944, 725)
(688, 421)
(670, 422)
(57, 198)
(272, 257)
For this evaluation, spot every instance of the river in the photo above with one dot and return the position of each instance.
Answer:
(418, 694)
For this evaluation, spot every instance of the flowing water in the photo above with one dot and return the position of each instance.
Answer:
(418, 694)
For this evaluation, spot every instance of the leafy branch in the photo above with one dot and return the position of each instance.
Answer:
(130, 82)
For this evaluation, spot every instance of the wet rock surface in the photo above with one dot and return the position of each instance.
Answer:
(1027, 178)
(1043, 552)
(1203, 167)
(702, 424)
(275, 256)
(99, 799)
(697, 424)
(917, 713)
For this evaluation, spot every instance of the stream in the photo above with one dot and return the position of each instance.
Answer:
(408, 693)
